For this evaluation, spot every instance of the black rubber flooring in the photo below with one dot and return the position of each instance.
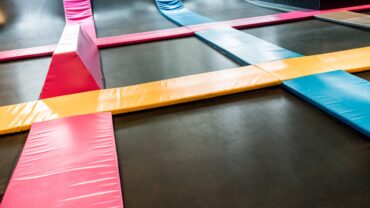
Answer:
(29, 23)
(265, 148)
(311, 37)
(148, 62)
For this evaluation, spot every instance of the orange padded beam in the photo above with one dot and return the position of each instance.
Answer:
(354, 60)
(19, 117)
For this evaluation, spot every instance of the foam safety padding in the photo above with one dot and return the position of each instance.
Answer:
(80, 12)
(347, 18)
(75, 65)
(339, 93)
(174, 33)
(69, 162)
(355, 60)
(144, 37)
(25, 53)
(137, 97)
(243, 48)
(174, 11)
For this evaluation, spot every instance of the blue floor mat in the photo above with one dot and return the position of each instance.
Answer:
(338, 93)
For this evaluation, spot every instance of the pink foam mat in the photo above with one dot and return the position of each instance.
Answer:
(68, 162)
(80, 12)
(169, 33)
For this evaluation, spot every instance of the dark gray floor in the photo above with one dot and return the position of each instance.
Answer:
(22, 81)
(30, 23)
(311, 37)
(142, 63)
(265, 148)
(220, 10)
(116, 17)
(259, 149)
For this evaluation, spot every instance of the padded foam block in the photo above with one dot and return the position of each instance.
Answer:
(243, 48)
(137, 97)
(69, 162)
(75, 65)
(80, 12)
(347, 18)
(354, 60)
(175, 12)
(339, 93)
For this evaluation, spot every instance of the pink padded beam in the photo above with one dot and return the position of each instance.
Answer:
(25, 53)
(75, 65)
(176, 32)
(144, 37)
(68, 162)
(80, 12)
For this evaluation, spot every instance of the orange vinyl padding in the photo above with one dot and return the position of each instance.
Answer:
(19, 117)
(354, 60)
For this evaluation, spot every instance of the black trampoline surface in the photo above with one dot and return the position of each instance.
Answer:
(155, 61)
(259, 149)
(265, 148)
(22, 81)
(117, 17)
(26, 23)
(312, 37)
(220, 10)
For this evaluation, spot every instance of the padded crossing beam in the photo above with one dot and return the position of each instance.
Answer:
(69, 162)
(137, 97)
(342, 95)
(239, 46)
(244, 48)
(355, 60)
(19, 117)
(347, 18)
(75, 65)
(319, 4)
(174, 11)
(176, 32)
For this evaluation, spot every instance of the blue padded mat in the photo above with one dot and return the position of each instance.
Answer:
(339, 93)
(174, 11)
(242, 47)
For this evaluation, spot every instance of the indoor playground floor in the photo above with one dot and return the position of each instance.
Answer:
(260, 148)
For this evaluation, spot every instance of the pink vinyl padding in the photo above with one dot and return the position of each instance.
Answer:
(80, 12)
(75, 65)
(163, 34)
(68, 162)
(144, 37)
(25, 53)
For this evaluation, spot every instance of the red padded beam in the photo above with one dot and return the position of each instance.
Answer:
(75, 65)
(69, 162)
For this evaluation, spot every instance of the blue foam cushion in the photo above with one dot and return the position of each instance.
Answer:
(174, 10)
(242, 47)
(339, 93)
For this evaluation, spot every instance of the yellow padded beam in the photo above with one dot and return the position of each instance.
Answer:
(15, 118)
(19, 117)
(354, 60)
